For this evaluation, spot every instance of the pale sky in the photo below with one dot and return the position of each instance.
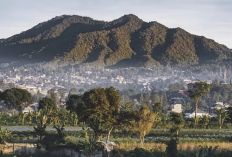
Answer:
(210, 18)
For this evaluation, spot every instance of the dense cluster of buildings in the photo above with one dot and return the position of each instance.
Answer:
(140, 80)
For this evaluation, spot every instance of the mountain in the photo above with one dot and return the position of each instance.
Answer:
(127, 41)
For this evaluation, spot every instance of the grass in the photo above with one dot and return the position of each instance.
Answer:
(128, 146)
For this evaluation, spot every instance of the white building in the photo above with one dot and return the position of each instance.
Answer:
(175, 108)
(191, 114)
(31, 108)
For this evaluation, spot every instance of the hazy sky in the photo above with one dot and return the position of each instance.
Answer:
(211, 18)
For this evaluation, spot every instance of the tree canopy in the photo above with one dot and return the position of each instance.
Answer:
(17, 98)
(75, 104)
(101, 109)
(47, 103)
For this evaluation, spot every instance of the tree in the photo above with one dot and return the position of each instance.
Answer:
(74, 118)
(1, 95)
(146, 121)
(198, 90)
(52, 93)
(75, 104)
(47, 103)
(127, 119)
(222, 116)
(176, 87)
(156, 99)
(202, 103)
(101, 109)
(16, 98)
(178, 121)
(113, 96)
(157, 108)
(164, 100)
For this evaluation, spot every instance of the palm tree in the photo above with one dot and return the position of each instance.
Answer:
(222, 116)
(198, 90)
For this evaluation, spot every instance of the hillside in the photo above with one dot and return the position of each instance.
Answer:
(127, 41)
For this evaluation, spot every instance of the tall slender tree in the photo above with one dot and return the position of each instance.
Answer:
(196, 92)
(146, 121)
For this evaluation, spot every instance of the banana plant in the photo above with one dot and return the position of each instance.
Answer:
(74, 119)
(54, 117)
(40, 128)
(5, 136)
(37, 114)
(205, 120)
(23, 118)
(90, 146)
(222, 116)
(30, 116)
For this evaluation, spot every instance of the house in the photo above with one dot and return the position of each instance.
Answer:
(191, 113)
(217, 106)
(175, 108)
(31, 108)
(178, 95)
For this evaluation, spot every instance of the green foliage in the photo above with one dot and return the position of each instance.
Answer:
(139, 152)
(157, 108)
(102, 109)
(222, 116)
(89, 145)
(176, 87)
(171, 148)
(177, 118)
(145, 123)
(206, 151)
(205, 119)
(41, 127)
(222, 93)
(5, 135)
(47, 103)
(196, 92)
(16, 98)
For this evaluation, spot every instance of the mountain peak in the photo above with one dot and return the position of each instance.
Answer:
(75, 40)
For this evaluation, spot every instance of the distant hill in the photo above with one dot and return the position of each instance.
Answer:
(127, 41)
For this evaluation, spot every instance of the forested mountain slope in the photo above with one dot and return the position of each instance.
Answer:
(127, 41)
